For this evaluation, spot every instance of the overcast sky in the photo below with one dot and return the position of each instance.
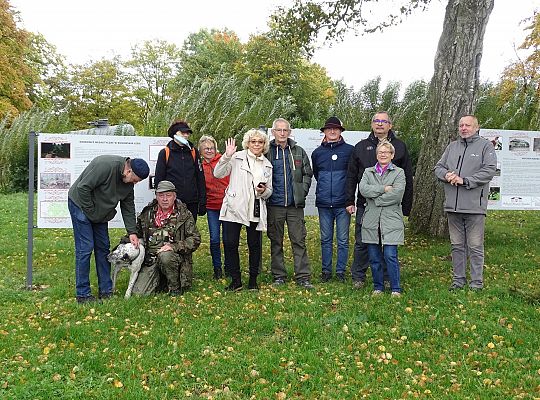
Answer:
(90, 30)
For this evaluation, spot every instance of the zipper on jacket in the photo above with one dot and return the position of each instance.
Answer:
(458, 167)
(285, 175)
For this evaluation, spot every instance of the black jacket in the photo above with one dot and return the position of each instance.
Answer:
(363, 156)
(184, 171)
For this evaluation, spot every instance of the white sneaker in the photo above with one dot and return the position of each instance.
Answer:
(377, 293)
(395, 294)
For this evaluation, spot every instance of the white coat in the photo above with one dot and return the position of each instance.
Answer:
(236, 203)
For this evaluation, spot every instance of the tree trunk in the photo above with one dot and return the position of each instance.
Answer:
(452, 94)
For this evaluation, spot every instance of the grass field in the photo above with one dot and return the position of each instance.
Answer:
(331, 343)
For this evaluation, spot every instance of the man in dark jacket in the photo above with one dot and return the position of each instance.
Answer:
(363, 156)
(466, 168)
(330, 162)
(291, 179)
(180, 163)
(92, 201)
(170, 236)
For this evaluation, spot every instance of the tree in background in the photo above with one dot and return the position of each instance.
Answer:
(452, 90)
(514, 102)
(154, 65)
(15, 74)
(101, 89)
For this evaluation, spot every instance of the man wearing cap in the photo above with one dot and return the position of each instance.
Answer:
(362, 157)
(168, 231)
(330, 161)
(180, 163)
(92, 201)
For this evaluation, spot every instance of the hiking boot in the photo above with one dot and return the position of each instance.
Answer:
(305, 285)
(358, 285)
(234, 287)
(340, 277)
(326, 276)
(278, 282)
(105, 296)
(87, 299)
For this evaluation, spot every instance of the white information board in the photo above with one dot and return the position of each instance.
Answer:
(62, 157)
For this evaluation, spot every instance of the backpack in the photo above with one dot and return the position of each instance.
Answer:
(168, 151)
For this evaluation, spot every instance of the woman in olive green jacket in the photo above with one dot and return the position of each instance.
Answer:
(383, 230)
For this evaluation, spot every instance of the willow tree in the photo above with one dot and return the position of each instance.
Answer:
(452, 90)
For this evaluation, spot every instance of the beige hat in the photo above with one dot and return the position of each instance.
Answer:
(165, 186)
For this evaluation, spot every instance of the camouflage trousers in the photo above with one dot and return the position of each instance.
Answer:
(164, 271)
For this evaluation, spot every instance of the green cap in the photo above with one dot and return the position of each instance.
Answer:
(165, 186)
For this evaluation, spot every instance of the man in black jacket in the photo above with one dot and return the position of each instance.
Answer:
(362, 157)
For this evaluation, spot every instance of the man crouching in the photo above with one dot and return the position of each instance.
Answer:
(170, 236)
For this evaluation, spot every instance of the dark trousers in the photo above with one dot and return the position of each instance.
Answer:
(193, 209)
(231, 243)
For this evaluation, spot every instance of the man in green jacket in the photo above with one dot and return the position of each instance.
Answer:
(168, 232)
(291, 179)
(92, 201)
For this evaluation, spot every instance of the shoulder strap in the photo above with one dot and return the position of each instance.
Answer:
(168, 152)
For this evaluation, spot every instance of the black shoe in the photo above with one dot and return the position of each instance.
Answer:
(252, 285)
(454, 286)
(105, 296)
(234, 287)
(340, 277)
(176, 293)
(305, 285)
(86, 299)
(278, 282)
(325, 277)
(218, 274)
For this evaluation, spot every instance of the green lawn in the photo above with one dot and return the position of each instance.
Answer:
(332, 343)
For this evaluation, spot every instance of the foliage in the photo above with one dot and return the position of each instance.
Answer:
(101, 89)
(153, 66)
(15, 74)
(514, 102)
(14, 145)
(222, 107)
(331, 343)
(301, 24)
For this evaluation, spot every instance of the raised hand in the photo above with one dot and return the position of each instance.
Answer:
(230, 147)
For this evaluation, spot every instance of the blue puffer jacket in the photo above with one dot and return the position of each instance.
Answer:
(330, 162)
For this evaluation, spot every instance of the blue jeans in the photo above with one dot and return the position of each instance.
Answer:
(90, 237)
(342, 218)
(214, 229)
(377, 258)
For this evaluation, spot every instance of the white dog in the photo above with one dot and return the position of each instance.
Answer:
(127, 256)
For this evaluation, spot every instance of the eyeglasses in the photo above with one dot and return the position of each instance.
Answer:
(281, 130)
(209, 149)
(380, 121)
(384, 152)
(256, 141)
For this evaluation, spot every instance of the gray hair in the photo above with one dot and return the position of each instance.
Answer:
(383, 112)
(281, 120)
(207, 138)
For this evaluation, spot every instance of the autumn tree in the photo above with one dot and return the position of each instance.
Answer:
(15, 74)
(452, 90)
(154, 65)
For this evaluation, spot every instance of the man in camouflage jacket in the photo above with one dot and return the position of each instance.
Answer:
(168, 231)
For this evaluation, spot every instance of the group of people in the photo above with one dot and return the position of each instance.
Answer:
(263, 187)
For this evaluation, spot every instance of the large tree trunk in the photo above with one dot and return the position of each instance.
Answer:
(451, 95)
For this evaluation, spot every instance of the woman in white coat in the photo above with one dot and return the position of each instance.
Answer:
(245, 202)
